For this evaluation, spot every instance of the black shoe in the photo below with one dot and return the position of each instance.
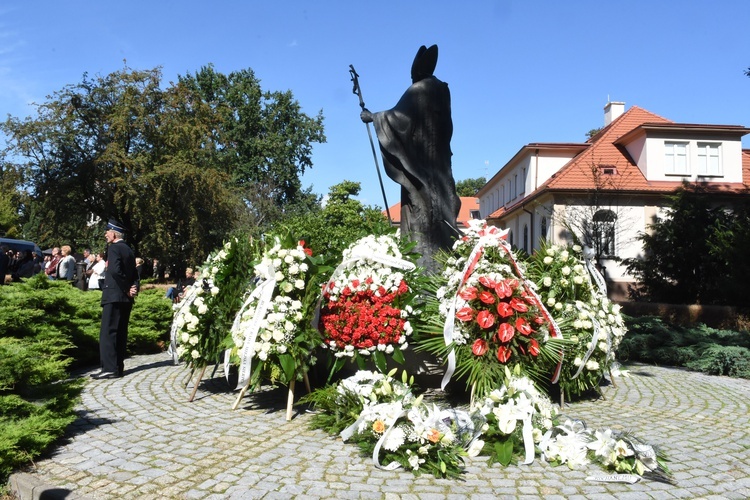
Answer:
(104, 375)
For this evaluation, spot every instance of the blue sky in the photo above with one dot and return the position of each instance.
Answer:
(519, 71)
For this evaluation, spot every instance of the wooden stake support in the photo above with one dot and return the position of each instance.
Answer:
(290, 400)
(240, 396)
(195, 386)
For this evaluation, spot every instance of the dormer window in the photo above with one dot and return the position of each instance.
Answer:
(709, 160)
(676, 158)
(608, 169)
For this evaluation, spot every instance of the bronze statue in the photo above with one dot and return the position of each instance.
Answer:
(414, 140)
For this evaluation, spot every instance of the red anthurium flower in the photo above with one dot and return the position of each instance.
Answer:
(468, 293)
(355, 283)
(505, 332)
(533, 347)
(308, 251)
(485, 319)
(487, 297)
(502, 289)
(523, 327)
(488, 282)
(479, 347)
(519, 305)
(503, 354)
(504, 310)
(465, 314)
(539, 320)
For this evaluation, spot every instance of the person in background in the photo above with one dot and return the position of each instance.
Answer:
(119, 289)
(4, 263)
(139, 267)
(66, 268)
(175, 293)
(25, 268)
(51, 269)
(97, 271)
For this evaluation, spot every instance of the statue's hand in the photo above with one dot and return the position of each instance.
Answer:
(366, 116)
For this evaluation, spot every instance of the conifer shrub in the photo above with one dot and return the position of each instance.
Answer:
(697, 347)
(48, 328)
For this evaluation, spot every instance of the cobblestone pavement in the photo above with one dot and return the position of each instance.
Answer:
(138, 437)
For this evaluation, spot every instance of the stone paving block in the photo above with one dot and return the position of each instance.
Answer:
(692, 416)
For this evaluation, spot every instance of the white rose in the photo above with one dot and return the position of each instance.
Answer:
(547, 281)
(548, 260)
(299, 284)
(592, 365)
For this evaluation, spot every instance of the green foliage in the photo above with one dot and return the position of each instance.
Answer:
(342, 221)
(698, 347)
(696, 254)
(181, 167)
(47, 328)
(470, 187)
(40, 308)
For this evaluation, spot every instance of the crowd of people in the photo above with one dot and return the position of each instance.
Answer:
(86, 272)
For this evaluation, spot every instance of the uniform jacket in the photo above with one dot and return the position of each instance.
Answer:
(120, 274)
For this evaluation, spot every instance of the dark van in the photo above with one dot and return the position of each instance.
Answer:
(17, 245)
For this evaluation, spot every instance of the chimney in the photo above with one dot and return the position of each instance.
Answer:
(612, 111)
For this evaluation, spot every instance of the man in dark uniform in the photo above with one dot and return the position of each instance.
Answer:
(119, 288)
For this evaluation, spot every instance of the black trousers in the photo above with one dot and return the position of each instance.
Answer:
(113, 336)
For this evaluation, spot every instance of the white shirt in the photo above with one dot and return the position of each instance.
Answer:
(98, 269)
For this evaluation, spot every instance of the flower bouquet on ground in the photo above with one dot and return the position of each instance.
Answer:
(575, 294)
(573, 444)
(366, 308)
(381, 415)
(492, 317)
(203, 318)
(517, 416)
(271, 335)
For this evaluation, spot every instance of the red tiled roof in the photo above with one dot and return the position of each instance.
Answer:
(468, 203)
(576, 175)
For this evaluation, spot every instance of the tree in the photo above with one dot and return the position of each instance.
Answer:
(11, 200)
(180, 167)
(343, 220)
(470, 187)
(695, 253)
(265, 139)
(591, 133)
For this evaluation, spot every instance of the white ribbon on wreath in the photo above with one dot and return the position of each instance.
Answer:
(474, 256)
(264, 293)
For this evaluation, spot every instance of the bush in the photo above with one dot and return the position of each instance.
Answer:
(46, 329)
(698, 347)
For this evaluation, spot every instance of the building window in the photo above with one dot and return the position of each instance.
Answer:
(543, 228)
(502, 195)
(526, 238)
(709, 162)
(510, 237)
(676, 158)
(510, 194)
(604, 232)
(474, 214)
(515, 186)
(523, 181)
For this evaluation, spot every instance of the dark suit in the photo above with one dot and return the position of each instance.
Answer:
(4, 265)
(119, 276)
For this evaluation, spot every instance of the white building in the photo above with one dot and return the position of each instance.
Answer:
(613, 184)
